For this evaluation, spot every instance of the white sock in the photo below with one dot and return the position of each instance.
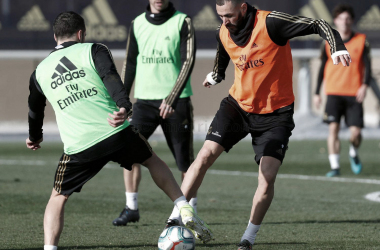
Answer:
(334, 161)
(175, 214)
(180, 202)
(132, 200)
(250, 233)
(353, 151)
(50, 247)
(193, 202)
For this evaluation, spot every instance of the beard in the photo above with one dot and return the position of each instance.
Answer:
(235, 28)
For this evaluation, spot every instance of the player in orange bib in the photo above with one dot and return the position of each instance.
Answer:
(261, 100)
(345, 89)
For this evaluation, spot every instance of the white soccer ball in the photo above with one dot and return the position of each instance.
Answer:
(176, 238)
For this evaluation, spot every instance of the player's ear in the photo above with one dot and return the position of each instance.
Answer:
(243, 8)
(55, 38)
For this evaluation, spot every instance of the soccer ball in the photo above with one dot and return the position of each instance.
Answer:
(176, 238)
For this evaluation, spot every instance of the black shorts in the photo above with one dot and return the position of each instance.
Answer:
(347, 106)
(75, 170)
(270, 132)
(178, 128)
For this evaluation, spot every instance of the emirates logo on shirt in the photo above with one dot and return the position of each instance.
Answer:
(243, 64)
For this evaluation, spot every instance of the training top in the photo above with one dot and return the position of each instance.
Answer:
(346, 81)
(77, 90)
(255, 60)
(160, 56)
(266, 87)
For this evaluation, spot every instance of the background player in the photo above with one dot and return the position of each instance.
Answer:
(81, 83)
(261, 100)
(345, 89)
(160, 58)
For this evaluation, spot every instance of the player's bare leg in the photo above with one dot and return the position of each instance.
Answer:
(193, 201)
(54, 218)
(355, 140)
(268, 170)
(195, 174)
(333, 145)
(132, 179)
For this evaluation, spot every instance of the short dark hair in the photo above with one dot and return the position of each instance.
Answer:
(340, 8)
(234, 2)
(67, 24)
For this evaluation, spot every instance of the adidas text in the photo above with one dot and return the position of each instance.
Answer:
(68, 77)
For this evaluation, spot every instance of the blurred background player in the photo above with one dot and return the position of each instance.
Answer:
(345, 89)
(160, 58)
(261, 100)
(81, 83)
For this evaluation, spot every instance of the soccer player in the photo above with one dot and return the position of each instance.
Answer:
(345, 89)
(261, 100)
(160, 58)
(81, 83)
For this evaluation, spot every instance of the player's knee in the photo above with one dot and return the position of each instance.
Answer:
(355, 134)
(206, 157)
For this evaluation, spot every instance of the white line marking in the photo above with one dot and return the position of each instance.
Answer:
(297, 177)
(373, 196)
(219, 172)
(21, 162)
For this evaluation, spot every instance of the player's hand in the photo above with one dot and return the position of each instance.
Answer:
(344, 59)
(206, 83)
(360, 95)
(317, 101)
(118, 117)
(165, 110)
(33, 145)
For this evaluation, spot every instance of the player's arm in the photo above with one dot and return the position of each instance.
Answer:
(188, 51)
(282, 27)
(128, 71)
(324, 57)
(106, 69)
(221, 62)
(36, 103)
(360, 95)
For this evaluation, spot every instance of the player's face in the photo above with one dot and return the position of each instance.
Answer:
(156, 6)
(343, 22)
(232, 16)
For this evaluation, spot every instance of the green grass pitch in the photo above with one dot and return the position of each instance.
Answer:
(305, 214)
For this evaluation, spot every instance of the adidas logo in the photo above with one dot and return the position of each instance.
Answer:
(64, 73)
(102, 24)
(167, 38)
(254, 45)
(371, 19)
(206, 19)
(315, 9)
(33, 20)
